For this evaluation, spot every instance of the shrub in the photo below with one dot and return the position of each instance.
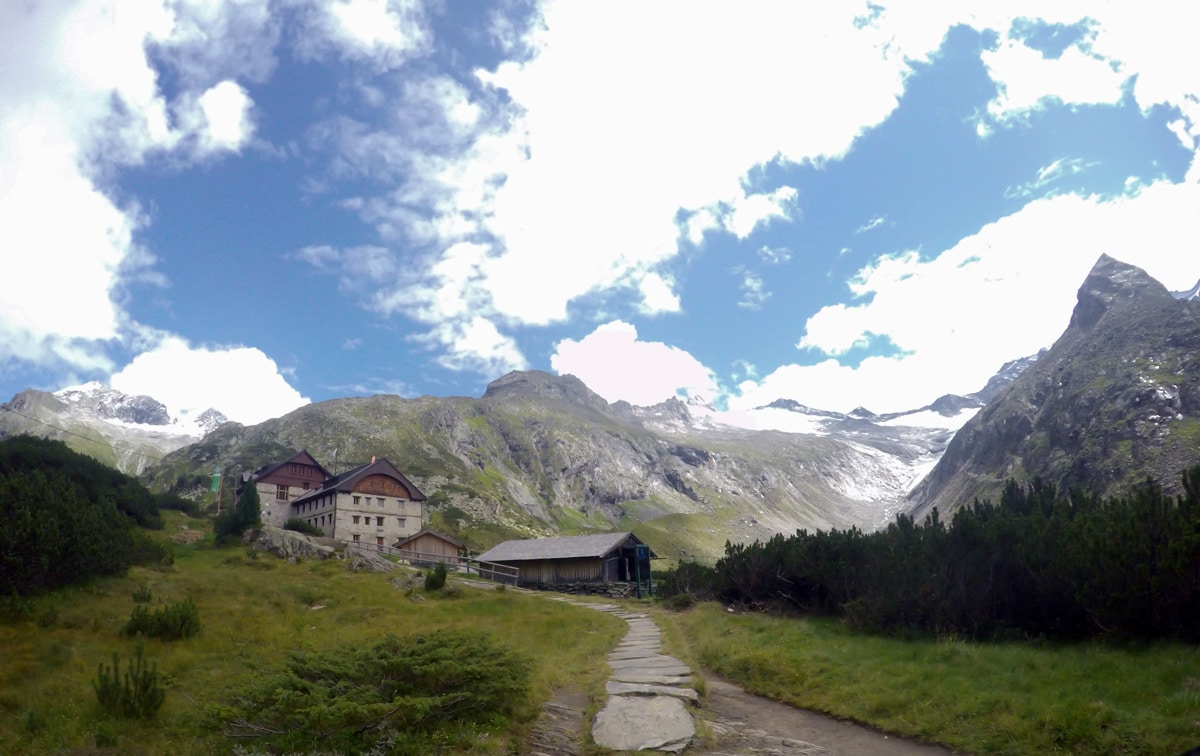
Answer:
(136, 696)
(148, 550)
(402, 695)
(679, 602)
(180, 620)
(436, 579)
(303, 526)
(141, 594)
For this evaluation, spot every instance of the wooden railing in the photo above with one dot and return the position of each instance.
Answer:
(500, 573)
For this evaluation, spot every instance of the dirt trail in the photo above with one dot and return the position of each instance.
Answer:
(740, 723)
(743, 723)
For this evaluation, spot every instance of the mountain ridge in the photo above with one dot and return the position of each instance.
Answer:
(1116, 398)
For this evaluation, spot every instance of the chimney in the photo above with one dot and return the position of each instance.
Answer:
(372, 459)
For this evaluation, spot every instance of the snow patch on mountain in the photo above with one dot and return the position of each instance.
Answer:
(932, 419)
(94, 400)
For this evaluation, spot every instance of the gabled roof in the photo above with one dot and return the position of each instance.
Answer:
(301, 457)
(349, 479)
(566, 547)
(424, 532)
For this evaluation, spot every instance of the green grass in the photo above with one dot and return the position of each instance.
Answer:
(1003, 698)
(254, 611)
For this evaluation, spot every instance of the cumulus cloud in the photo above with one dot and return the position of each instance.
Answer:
(242, 382)
(1004, 292)
(383, 33)
(226, 111)
(602, 359)
(83, 101)
(580, 162)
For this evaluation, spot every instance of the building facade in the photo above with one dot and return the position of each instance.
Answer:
(373, 503)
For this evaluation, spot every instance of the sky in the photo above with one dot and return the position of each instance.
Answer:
(256, 204)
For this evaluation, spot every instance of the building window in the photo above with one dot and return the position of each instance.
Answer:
(356, 501)
(281, 492)
(379, 543)
(379, 521)
(355, 519)
(400, 521)
(355, 537)
(380, 502)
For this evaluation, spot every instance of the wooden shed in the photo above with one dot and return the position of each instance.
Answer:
(430, 547)
(604, 558)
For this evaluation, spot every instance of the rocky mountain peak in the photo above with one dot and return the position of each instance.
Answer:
(1113, 286)
(541, 386)
(1116, 398)
(111, 404)
(210, 419)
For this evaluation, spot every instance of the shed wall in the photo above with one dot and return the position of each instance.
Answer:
(429, 545)
(554, 571)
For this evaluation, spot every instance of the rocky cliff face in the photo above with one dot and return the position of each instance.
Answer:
(1115, 399)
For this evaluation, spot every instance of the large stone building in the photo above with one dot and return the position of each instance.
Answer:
(373, 503)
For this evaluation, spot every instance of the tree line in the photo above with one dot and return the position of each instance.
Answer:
(1039, 563)
(64, 517)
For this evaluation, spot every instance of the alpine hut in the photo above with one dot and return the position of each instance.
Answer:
(603, 558)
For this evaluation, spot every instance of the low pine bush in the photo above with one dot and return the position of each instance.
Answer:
(436, 579)
(401, 695)
(174, 622)
(138, 695)
(141, 594)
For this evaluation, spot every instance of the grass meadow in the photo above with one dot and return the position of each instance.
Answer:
(254, 612)
(982, 698)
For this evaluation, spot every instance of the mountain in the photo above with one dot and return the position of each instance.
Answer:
(543, 454)
(1192, 294)
(1114, 400)
(122, 431)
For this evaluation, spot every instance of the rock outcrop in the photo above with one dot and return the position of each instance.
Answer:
(288, 544)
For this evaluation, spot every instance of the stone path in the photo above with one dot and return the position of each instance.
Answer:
(648, 692)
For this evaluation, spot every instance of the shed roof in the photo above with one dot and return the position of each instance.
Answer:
(424, 532)
(565, 547)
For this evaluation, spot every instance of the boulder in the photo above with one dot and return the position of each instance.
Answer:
(287, 544)
(368, 562)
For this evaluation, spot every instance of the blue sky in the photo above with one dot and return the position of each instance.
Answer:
(254, 204)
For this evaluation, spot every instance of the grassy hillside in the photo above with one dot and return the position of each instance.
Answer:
(254, 612)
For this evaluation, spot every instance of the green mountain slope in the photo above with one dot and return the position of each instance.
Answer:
(541, 454)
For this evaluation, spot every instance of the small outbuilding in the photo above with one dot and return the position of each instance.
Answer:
(603, 558)
(430, 547)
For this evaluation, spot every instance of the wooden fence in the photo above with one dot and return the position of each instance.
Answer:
(500, 573)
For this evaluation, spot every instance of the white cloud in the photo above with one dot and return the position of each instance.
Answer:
(754, 290)
(602, 360)
(658, 295)
(871, 225)
(583, 157)
(385, 33)
(774, 255)
(81, 101)
(1027, 78)
(242, 382)
(226, 110)
(476, 344)
(1005, 292)
(1049, 175)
